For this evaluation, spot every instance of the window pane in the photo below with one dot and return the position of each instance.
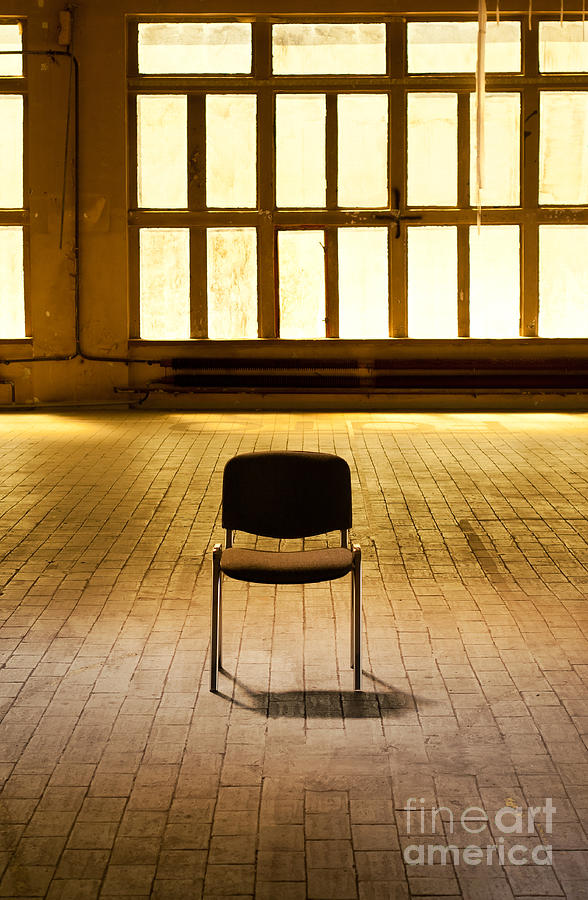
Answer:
(198, 47)
(165, 283)
(494, 281)
(563, 47)
(563, 147)
(329, 49)
(231, 150)
(300, 150)
(501, 175)
(10, 40)
(12, 311)
(563, 281)
(162, 151)
(232, 283)
(363, 282)
(453, 46)
(301, 266)
(11, 151)
(432, 282)
(432, 149)
(363, 149)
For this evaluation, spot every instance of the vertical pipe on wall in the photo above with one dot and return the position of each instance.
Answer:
(480, 100)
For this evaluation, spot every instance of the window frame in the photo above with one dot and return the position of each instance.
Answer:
(396, 83)
(20, 216)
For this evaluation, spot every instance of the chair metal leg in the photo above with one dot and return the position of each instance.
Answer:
(356, 574)
(220, 618)
(214, 642)
(352, 637)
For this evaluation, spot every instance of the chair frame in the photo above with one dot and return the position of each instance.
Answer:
(216, 613)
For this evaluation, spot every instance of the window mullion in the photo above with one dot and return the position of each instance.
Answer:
(397, 179)
(26, 249)
(463, 150)
(331, 150)
(197, 202)
(134, 285)
(266, 257)
(196, 152)
(530, 187)
(133, 247)
(463, 203)
(463, 280)
(132, 49)
(331, 234)
(133, 151)
(266, 238)
(530, 232)
(198, 287)
(332, 282)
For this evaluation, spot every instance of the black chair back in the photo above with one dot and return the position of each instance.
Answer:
(287, 494)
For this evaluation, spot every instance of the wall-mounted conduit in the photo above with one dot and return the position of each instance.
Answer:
(79, 352)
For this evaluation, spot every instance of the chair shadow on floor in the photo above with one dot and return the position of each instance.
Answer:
(385, 701)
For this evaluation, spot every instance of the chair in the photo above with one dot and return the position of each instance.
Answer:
(286, 495)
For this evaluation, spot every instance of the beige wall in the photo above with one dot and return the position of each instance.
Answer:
(99, 46)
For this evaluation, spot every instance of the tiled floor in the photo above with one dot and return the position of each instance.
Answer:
(124, 777)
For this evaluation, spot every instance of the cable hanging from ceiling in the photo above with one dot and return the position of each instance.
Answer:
(561, 12)
(480, 103)
(481, 84)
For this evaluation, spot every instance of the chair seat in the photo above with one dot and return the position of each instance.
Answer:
(298, 567)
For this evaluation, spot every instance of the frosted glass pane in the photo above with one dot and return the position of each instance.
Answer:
(563, 147)
(198, 47)
(232, 283)
(231, 150)
(301, 267)
(563, 48)
(329, 49)
(300, 150)
(432, 149)
(502, 143)
(363, 149)
(162, 151)
(10, 40)
(432, 282)
(11, 151)
(164, 274)
(563, 281)
(452, 46)
(12, 311)
(363, 282)
(494, 281)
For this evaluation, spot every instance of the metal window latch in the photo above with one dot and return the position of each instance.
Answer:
(395, 215)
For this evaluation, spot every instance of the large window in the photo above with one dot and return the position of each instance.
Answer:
(308, 180)
(12, 213)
